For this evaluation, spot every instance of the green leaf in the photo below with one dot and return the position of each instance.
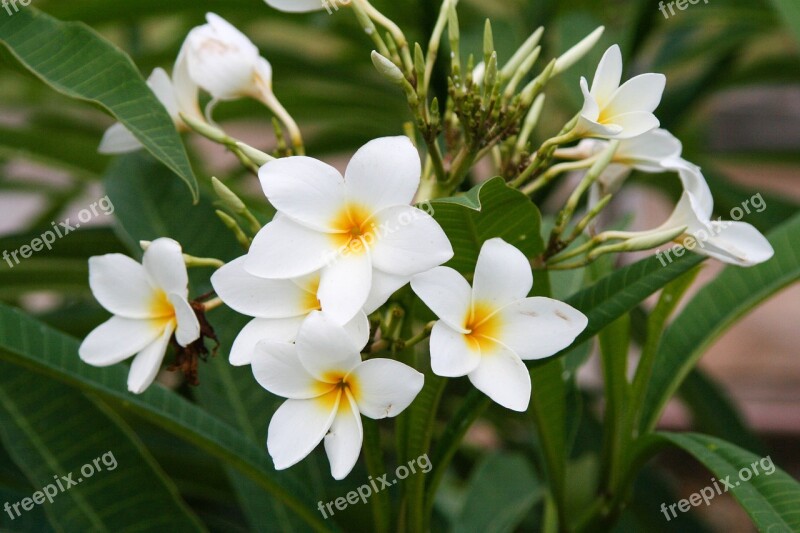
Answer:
(53, 430)
(770, 497)
(76, 61)
(29, 343)
(502, 491)
(789, 11)
(716, 307)
(491, 209)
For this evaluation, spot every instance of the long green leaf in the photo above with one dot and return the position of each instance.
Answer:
(29, 343)
(769, 495)
(76, 61)
(53, 430)
(715, 308)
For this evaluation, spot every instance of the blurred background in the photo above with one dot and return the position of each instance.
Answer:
(733, 98)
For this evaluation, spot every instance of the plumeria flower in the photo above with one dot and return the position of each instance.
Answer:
(650, 152)
(150, 304)
(304, 6)
(278, 305)
(222, 61)
(118, 139)
(612, 111)
(359, 231)
(485, 331)
(328, 389)
(733, 242)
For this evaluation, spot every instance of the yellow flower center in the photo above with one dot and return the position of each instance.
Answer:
(332, 387)
(310, 300)
(355, 230)
(483, 325)
(160, 306)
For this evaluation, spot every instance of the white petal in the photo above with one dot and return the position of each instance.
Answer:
(188, 329)
(642, 93)
(163, 262)
(297, 6)
(343, 441)
(583, 150)
(260, 297)
(277, 368)
(452, 353)
(383, 287)
(503, 377)
(118, 140)
(161, 85)
(325, 348)
(384, 173)
(690, 213)
(607, 76)
(308, 191)
(119, 338)
(695, 183)
(408, 241)
(284, 249)
(591, 109)
(296, 429)
(611, 180)
(736, 243)
(502, 275)
(384, 387)
(147, 363)
(540, 327)
(358, 329)
(186, 90)
(121, 286)
(446, 293)
(647, 152)
(632, 124)
(259, 329)
(345, 285)
(589, 128)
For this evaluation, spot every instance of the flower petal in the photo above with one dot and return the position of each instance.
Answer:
(345, 285)
(735, 243)
(186, 90)
(118, 140)
(161, 84)
(647, 152)
(343, 441)
(695, 183)
(297, 6)
(306, 190)
(163, 262)
(383, 173)
(631, 124)
(121, 286)
(590, 110)
(147, 363)
(188, 329)
(298, 426)
(641, 93)
(384, 387)
(452, 353)
(277, 368)
(259, 329)
(540, 327)
(503, 377)
(358, 329)
(502, 275)
(446, 293)
(261, 297)
(119, 338)
(383, 287)
(607, 76)
(284, 249)
(408, 241)
(325, 348)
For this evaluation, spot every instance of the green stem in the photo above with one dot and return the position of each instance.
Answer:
(376, 467)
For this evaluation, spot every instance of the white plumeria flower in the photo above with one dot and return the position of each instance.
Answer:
(222, 61)
(485, 331)
(118, 139)
(278, 305)
(328, 389)
(149, 302)
(359, 231)
(648, 152)
(304, 6)
(612, 111)
(732, 242)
